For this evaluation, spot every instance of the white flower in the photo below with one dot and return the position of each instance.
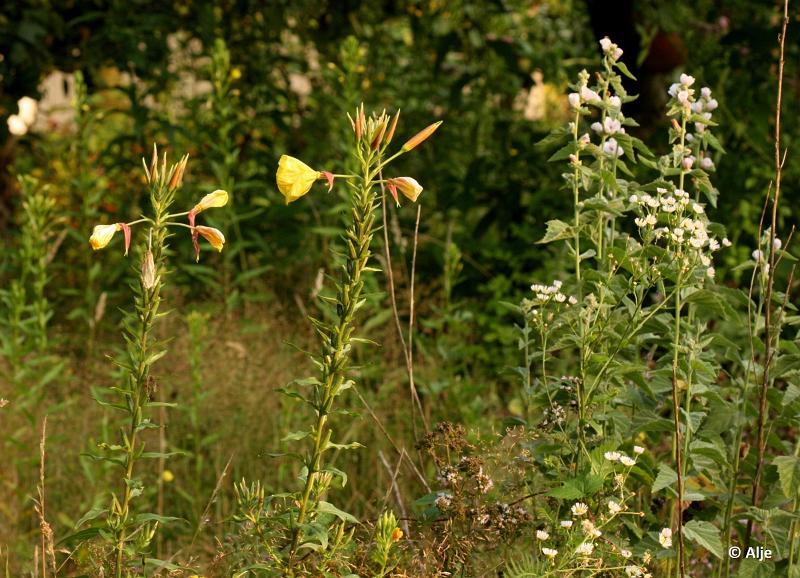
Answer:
(713, 244)
(638, 450)
(673, 89)
(606, 44)
(615, 101)
(726, 242)
(572, 300)
(612, 456)
(597, 127)
(587, 94)
(566, 523)
(625, 553)
(633, 199)
(550, 552)
(612, 148)
(712, 104)
(585, 549)
(633, 571)
(705, 92)
(611, 125)
(542, 535)
(626, 461)
(757, 255)
(687, 163)
(16, 125)
(777, 243)
(711, 272)
(590, 530)
(706, 163)
(579, 509)
(574, 99)
(687, 80)
(28, 108)
(614, 507)
(665, 538)
(683, 96)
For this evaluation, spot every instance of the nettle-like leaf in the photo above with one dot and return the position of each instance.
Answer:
(556, 230)
(788, 475)
(704, 534)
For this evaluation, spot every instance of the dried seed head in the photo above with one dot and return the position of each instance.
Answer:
(148, 270)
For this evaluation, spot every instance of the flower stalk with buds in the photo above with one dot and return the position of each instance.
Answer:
(294, 178)
(131, 532)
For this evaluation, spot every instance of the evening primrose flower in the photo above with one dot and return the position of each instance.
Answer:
(102, 235)
(406, 185)
(210, 234)
(218, 198)
(295, 178)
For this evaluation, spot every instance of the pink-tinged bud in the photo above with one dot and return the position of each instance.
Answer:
(330, 178)
(393, 190)
(126, 232)
(212, 235)
(420, 137)
(410, 188)
(390, 134)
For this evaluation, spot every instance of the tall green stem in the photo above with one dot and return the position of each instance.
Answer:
(677, 421)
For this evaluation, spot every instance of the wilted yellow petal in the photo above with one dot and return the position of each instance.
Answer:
(212, 235)
(408, 186)
(294, 178)
(101, 235)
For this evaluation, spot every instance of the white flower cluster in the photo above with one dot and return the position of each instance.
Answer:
(620, 457)
(702, 107)
(610, 48)
(685, 224)
(682, 91)
(547, 293)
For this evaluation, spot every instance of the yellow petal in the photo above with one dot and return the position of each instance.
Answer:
(294, 178)
(218, 198)
(408, 186)
(101, 236)
(212, 235)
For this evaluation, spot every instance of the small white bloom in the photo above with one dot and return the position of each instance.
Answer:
(588, 95)
(687, 163)
(638, 450)
(16, 125)
(579, 509)
(705, 92)
(612, 148)
(757, 255)
(611, 125)
(28, 108)
(726, 242)
(590, 530)
(711, 272)
(665, 538)
(633, 571)
(712, 104)
(574, 99)
(626, 461)
(633, 199)
(606, 44)
(689, 137)
(713, 244)
(706, 163)
(566, 523)
(572, 300)
(585, 549)
(615, 101)
(687, 80)
(614, 507)
(673, 89)
(550, 552)
(612, 456)
(777, 243)
(697, 107)
(617, 53)
(597, 127)
(625, 553)
(542, 535)
(683, 96)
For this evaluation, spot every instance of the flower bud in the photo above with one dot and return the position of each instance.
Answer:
(420, 137)
(148, 270)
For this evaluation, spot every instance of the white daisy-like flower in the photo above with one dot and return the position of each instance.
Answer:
(542, 535)
(638, 450)
(612, 456)
(550, 552)
(579, 509)
(633, 571)
(626, 461)
(625, 553)
(566, 523)
(585, 549)
(614, 507)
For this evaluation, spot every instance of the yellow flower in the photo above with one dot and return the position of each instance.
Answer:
(295, 178)
(167, 476)
(212, 235)
(406, 185)
(397, 535)
(218, 198)
(101, 236)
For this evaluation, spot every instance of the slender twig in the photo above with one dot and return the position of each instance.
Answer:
(763, 409)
